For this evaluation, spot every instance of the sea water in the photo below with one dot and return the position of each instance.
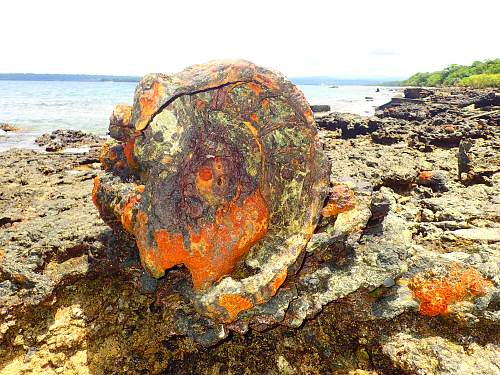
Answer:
(37, 107)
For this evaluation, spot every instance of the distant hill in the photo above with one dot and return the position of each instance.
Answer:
(65, 77)
(313, 80)
(479, 74)
(327, 80)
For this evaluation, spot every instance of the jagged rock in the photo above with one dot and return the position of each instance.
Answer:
(416, 92)
(61, 139)
(46, 240)
(224, 161)
(320, 108)
(350, 125)
(478, 161)
(436, 180)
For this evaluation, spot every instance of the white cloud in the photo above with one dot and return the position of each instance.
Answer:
(339, 38)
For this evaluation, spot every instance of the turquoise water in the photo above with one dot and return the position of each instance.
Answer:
(38, 107)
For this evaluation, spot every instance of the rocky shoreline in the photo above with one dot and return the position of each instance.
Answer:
(406, 280)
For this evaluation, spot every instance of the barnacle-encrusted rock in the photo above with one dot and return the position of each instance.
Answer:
(213, 165)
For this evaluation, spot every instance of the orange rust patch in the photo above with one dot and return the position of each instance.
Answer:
(265, 104)
(103, 155)
(205, 173)
(267, 81)
(254, 118)
(309, 116)
(425, 175)
(97, 183)
(216, 248)
(128, 150)
(148, 102)
(255, 88)
(435, 295)
(278, 281)
(449, 128)
(204, 182)
(341, 199)
(112, 154)
(127, 215)
(200, 104)
(234, 304)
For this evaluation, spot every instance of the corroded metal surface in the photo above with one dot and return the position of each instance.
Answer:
(213, 166)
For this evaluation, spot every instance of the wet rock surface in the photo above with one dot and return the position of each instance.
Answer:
(400, 276)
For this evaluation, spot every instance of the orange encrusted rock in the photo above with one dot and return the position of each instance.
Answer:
(229, 165)
(437, 294)
(341, 199)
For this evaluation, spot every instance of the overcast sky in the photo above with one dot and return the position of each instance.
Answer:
(300, 38)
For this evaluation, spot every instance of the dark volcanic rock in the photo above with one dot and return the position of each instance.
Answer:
(416, 92)
(478, 160)
(350, 125)
(443, 118)
(320, 108)
(61, 139)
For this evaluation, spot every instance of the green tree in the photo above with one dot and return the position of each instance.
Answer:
(455, 74)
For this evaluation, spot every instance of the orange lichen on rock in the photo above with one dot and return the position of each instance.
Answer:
(341, 199)
(128, 150)
(234, 304)
(149, 104)
(278, 281)
(104, 154)
(97, 182)
(435, 295)
(127, 215)
(216, 248)
(232, 157)
(425, 176)
(449, 128)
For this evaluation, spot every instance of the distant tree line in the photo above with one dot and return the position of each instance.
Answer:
(479, 74)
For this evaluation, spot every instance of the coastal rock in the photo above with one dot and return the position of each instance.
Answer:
(365, 296)
(44, 242)
(436, 180)
(61, 139)
(320, 108)
(8, 127)
(350, 125)
(436, 355)
(226, 167)
(478, 161)
(439, 119)
(416, 92)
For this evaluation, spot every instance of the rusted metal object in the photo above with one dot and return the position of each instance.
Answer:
(213, 166)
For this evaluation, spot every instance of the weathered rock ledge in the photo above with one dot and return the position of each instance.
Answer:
(401, 276)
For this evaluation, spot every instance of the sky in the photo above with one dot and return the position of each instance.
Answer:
(346, 39)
